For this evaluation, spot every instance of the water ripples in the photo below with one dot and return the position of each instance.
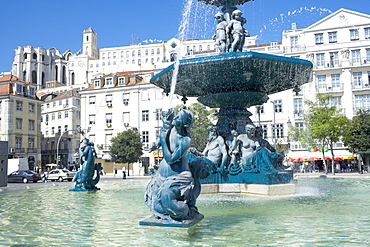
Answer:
(323, 212)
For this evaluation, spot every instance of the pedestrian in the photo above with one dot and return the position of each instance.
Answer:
(124, 172)
(45, 177)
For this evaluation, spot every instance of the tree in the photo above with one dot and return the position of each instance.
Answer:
(357, 134)
(203, 117)
(126, 147)
(324, 126)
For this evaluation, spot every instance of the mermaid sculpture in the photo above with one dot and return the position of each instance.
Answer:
(172, 192)
(83, 179)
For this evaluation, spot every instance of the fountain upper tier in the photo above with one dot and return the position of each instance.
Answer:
(219, 3)
(235, 79)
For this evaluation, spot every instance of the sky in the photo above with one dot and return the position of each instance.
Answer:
(60, 24)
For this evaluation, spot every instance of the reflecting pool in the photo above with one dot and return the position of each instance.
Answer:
(323, 212)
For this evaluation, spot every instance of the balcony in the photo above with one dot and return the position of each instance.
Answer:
(361, 85)
(328, 65)
(330, 88)
(298, 48)
(363, 61)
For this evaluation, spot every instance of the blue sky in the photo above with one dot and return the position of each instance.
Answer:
(60, 24)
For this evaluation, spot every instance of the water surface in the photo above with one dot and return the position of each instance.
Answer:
(323, 212)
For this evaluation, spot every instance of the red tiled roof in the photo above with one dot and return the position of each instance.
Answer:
(10, 78)
(89, 30)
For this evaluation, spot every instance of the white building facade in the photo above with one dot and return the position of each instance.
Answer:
(339, 47)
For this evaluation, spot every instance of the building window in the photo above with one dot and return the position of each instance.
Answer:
(158, 114)
(19, 105)
(97, 83)
(108, 140)
(59, 115)
(264, 131)
(367, 33)
(92, 100)
(321, 83)
(18, 123)
(278, 130)
(320, 60)
(145, 116)
(92, 119)
(367, 55)
(31, 108)
(357, 79)
(319, 38)
(332, 37)
(335, 81)
(18, 142)
(145, 136)
(108, 119)
(334, 59)
(354, 34)
(108, 81)
(336, 102)
(294, 42)
(108, 98)
(145, 95)
(356, 57)
(78, 114)
(31, 124)
(66, 114)
(126, 117)
(31, 144)
(126, 98)
(278, 106)
(152, 52)
(121, 81)
(158, 51)
(47, 118)
(298, 106)
(362, 102)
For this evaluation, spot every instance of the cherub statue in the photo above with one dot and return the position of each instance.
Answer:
(220, 35)
(236, 31)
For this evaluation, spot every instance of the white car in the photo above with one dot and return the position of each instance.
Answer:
(61, 175)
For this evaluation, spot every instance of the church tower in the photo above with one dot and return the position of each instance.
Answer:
(90, 44)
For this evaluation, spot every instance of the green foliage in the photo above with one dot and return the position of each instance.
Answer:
(126, 146)
(324, 125)
(203, 117)
(324, 122)
(357, 135)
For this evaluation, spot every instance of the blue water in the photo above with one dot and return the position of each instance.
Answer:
(323, 212)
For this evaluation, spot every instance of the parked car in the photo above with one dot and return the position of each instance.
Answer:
(23, 176)
(61, 175)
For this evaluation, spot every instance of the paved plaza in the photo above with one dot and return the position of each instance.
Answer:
(22, 186)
